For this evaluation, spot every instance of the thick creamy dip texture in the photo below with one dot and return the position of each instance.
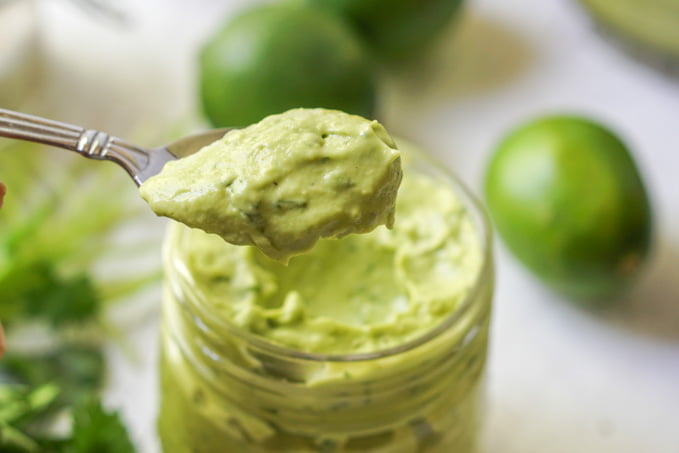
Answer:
(223, 391)
(285, 182)
(361, 293)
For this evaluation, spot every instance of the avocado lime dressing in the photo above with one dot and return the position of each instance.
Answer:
(285, 182)
(372, 342)
(359, 294)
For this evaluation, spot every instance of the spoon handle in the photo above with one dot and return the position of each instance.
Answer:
(40, 130)
(90, 143)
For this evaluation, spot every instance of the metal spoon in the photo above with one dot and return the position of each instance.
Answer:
(140, 163)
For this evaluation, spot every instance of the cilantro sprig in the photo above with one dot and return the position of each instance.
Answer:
(57, 226)
(37, 389)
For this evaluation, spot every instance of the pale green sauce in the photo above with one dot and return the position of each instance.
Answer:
(285, 182)
(361, 293)
(358, 294)
(288, 183)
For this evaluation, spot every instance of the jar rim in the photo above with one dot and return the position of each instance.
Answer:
(481, 222)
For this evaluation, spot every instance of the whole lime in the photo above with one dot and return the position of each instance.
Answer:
(274, 57)
(568, 200)
(395, 29)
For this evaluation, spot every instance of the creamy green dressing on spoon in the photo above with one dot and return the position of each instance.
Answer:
(285, 182)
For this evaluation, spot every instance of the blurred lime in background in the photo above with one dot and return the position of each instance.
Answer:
(274, 57)
(395, 29)
(568, 200)
(653, 24)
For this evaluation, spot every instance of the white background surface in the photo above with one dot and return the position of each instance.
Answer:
(560, 379)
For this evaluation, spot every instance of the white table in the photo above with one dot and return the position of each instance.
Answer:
(560, 379)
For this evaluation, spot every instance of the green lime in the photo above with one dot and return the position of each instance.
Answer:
(274, 57)
(568, 200)
(395, 29)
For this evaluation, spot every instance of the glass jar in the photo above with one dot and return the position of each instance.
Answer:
(648, 25)
(224, 389)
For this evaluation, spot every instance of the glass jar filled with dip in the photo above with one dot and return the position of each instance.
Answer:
(651, 26)
(373, 342)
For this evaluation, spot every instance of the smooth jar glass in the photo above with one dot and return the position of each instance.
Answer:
(651, 25)
(224, 389)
